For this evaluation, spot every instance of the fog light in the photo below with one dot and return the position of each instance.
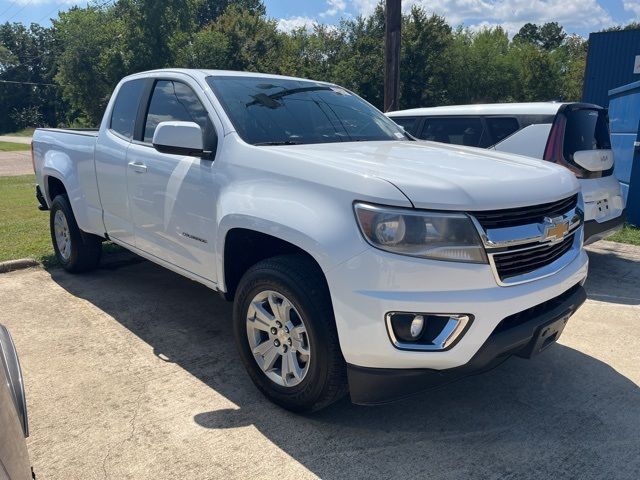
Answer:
(426, 331)
(416, 326)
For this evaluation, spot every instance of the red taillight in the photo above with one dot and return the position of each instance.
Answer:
(33, 159)
(553, 151)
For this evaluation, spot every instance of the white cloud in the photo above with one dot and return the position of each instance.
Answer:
(335, 7)
(293, 23)
(511, 14)
(50, 2)
(365, 7)
(633, 7)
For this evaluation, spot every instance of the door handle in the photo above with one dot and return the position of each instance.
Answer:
(138, 167)
(636, 144)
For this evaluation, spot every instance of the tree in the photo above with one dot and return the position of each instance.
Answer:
(92, 59)
(27, 66)
(254, 42)
(551, 36)
(528, 33)
(482, 68)
(424, 66)
(548, 36)
(208, 11)
(571, 58)
(360, 62)
(538, 78)
(618, 28)
(312, 54)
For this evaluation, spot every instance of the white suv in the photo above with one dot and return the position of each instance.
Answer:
(574, 135)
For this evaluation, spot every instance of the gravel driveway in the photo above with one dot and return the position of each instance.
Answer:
(15, 163)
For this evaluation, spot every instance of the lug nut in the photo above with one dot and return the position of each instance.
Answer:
(279, 324)
(289, 341)
(276, 343)
(286, 329)
(284, 348)
(274, 330)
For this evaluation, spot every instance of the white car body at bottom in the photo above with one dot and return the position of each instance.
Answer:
(178, 211)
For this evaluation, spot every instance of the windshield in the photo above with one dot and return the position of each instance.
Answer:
(274, 111)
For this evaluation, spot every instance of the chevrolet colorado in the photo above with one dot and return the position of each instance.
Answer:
(358, 259)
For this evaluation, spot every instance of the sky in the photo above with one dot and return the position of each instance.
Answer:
(577, 16)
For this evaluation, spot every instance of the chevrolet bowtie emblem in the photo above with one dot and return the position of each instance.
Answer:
(555, 228)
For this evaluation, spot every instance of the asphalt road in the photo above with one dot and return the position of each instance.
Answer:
(131, 373)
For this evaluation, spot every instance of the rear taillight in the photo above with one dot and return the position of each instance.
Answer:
(554, 151)
(33, 159)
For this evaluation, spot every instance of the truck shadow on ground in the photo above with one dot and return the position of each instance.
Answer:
(561, 415)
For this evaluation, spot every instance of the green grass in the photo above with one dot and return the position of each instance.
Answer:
(13, 147)
(25, 132)
(628, 234)
(24, 230)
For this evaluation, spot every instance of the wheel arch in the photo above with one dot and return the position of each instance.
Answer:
(244, 247)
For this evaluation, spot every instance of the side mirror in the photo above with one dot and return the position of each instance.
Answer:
(178, 138)
(594, 160)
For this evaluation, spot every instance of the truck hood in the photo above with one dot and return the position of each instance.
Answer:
(446, 177)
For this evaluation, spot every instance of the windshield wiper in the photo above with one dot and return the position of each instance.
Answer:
(281, 142)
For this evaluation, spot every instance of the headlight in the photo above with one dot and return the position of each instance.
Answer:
(435, 235)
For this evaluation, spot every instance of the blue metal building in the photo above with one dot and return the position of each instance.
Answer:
(613, 60)
(624, 118)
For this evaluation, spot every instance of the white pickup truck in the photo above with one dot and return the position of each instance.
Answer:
(359, 260)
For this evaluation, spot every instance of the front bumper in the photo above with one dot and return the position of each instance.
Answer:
(515, 335)
(374, 283)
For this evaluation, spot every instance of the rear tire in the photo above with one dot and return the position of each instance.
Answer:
(76, 250)
(296, 287)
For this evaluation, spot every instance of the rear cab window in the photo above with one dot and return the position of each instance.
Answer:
(125, 108)
(467, 131)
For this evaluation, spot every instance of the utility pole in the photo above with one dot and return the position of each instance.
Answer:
(392, 34)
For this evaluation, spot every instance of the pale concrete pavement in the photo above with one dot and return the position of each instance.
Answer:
(131, 372)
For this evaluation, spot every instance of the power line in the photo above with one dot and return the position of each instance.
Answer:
(31, 83)
(57, 7)
(9, 7)
(20, 10)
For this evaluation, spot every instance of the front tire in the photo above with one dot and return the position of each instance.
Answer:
(286, 335)
(76, 250)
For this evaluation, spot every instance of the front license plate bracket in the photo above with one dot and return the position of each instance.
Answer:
(545, 336)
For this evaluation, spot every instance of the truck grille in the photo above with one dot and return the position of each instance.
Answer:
(513, 263)
(514, 217)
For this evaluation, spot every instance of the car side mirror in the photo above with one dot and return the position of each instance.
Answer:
(179, 138)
